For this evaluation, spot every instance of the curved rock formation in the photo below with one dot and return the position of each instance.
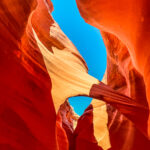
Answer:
(41, 69)
(129, 22)
(124, 28)
(122, 76)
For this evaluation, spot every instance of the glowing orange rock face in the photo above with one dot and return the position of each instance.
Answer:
(123, 77)
(128, 20)
(41, 68)
(125, 30)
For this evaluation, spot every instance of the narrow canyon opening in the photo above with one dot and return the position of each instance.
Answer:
(88, 41)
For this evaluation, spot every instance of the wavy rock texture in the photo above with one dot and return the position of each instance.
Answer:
(41, 69)
(129, 22)
(124, 28)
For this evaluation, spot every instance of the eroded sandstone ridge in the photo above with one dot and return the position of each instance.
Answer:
(41, 68)
(124, 26)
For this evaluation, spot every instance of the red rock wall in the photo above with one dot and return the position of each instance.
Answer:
(123, 25)
(33, 84)
(122, 76)
(128, 21)
(27, 114)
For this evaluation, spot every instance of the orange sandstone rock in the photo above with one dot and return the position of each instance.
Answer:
(128, 20)
(40, 69)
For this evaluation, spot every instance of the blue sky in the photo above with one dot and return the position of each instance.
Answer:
(86, 38)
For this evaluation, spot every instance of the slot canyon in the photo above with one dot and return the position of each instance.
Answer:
(40, 68)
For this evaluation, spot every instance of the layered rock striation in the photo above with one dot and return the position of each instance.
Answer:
(41, 69)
